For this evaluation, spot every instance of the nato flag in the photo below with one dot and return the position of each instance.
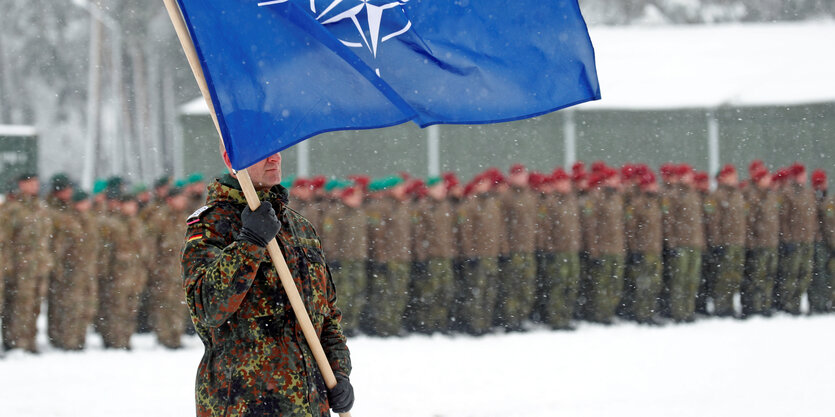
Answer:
(282, 71)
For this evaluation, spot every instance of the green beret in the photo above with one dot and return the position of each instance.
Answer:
(127, 197)
(194, 177)
(27, 176)
(288, 182)
(139, 188)
(162, 181)
(115, 181)
(180, 183)
(336, 184)
(174, 191)
(79, 195)
(99, 186)
(433, 180)
(385, 183)
(60, 181)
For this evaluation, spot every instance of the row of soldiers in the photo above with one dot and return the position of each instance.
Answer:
(93, 260)
(408, 255)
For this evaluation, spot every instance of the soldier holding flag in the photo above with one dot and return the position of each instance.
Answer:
(256, 361)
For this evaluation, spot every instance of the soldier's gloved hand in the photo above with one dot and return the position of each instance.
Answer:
(259, 226)
(341, 396)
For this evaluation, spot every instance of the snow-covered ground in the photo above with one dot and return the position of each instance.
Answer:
(779, 366)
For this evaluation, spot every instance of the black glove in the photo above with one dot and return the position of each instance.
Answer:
(341, 396)
(259, 226)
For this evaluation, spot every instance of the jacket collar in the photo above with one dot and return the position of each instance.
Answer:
(227, 188)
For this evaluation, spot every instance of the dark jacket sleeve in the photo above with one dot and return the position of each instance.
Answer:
(217, 271)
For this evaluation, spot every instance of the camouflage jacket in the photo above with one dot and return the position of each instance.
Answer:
(256, 361)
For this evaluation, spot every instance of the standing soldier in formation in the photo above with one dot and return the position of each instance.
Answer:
(476, 290)
(121, 284)
(88, 284)
(603, 283)
(684, 238)
(67, 294)
(164, 234)
(822, 289)
(26, 245)
(762, 227)
(389, 237)
(350, 235)
(560, 280)
(798, 222)
(433, 281)
(643, 282)
(517, 281)
(725, 234)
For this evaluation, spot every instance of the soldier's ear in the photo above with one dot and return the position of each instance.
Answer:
(227, 162)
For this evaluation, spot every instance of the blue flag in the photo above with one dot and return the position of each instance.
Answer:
(282, 71)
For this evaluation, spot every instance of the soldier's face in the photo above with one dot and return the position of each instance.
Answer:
(29, 187)
(264, 174)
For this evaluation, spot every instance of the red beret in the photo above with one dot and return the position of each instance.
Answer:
(348, 191)
(701, 176)
(754, 166)
(361, 180)
(536, 179)
(667, 170)
(559, 174)
(818, 177)
(596, 178)
(647, 178)
(416, 188)
(728, 169)
(598, 166)
(450, 180)
(578, 166)
(759, 174)
(301, 182)
(797, 169)
(318, 182)
(628, 171)
(684, 169)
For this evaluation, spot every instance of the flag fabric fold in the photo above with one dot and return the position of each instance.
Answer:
(282, 71)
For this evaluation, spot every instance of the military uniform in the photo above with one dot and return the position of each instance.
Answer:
(762, 229)
(476, 289)
(684, 240)
(725, 235)
(642, 282)
(433, 282)
(517, 280)
(122, 280)
(603, 282)
(28, 250)
(348, 232)
(558, 271)
(71, 285)
(822, 288)
(388, 279)
(798, 221)
(165, 291)
(256, 361)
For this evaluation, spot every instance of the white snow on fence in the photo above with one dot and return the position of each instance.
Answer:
(17, 130)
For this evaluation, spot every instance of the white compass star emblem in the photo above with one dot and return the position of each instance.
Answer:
(366, 17)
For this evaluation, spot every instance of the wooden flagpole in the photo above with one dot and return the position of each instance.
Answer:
(252, 200)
